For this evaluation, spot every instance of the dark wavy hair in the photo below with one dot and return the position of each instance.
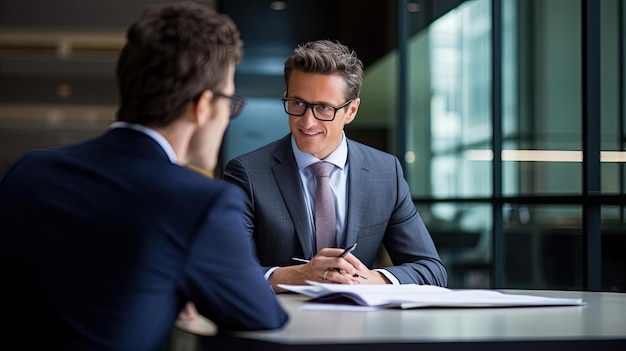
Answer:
(174, 52)
(327, 57)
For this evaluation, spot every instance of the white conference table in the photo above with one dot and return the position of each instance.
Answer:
(598, 325)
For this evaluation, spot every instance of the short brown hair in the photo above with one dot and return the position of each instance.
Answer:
(327, 57)
(174, 51)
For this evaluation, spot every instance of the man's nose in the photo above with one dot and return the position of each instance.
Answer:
(309, 115)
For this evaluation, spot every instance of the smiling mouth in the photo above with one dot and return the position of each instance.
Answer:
(311, 133)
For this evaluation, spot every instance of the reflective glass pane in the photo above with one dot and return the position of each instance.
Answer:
(449, 107)
(612, 121)
(462, 234)
(614, 248)
(541, 97)
(543, 246)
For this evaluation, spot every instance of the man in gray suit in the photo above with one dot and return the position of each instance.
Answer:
(373, 206)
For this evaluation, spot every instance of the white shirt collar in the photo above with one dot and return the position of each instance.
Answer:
(338, 157)
(165, 145)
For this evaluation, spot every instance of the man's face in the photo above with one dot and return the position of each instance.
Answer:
(319, 138)
(206, 141)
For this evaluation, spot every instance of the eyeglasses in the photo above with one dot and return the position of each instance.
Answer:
(323, 112)
(236, 103)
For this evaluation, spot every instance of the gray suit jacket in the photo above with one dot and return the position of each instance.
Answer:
(380, 211)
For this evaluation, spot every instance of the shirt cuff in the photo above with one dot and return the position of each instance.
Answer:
(269, 273)
(392, 278)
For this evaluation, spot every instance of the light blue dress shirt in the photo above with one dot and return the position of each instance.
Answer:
(338, 183)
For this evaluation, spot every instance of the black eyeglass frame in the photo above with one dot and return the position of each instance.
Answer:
(236, 103)
(312, 107)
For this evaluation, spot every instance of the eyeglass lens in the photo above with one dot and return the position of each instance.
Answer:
(235, 107)
(298, 108)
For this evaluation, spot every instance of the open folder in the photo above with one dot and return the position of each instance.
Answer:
(406, 296)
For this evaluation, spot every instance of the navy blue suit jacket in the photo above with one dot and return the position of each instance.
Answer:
(102, 243)
(380, 211)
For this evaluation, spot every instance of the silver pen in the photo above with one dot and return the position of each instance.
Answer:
(348, 250)
(343, 254)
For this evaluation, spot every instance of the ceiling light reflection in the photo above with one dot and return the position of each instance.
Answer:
(542, 156)
(278, 5)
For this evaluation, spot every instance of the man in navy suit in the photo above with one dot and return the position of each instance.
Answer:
(102, 243)
(373, 205)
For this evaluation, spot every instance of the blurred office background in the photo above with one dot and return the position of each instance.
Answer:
(508, 115)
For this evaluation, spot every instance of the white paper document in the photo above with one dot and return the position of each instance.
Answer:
(408, 296)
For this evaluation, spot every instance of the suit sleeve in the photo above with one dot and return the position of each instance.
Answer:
(224, 279)
(409, 243)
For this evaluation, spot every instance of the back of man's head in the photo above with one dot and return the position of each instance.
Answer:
(174, 52)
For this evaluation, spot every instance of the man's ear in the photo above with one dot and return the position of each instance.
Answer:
(203, 108)
(352, 110)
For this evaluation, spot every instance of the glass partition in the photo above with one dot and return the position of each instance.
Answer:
(449, 105)
(463, 241)
(449, 137)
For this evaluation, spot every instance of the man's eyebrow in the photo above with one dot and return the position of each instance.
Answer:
(313, 103)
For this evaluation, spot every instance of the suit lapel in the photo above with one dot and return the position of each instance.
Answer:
(287, 177)
(358, 188)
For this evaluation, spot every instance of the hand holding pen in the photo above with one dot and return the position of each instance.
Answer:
(343, 254)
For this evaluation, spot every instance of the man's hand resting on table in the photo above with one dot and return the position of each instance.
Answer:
(327, 267)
